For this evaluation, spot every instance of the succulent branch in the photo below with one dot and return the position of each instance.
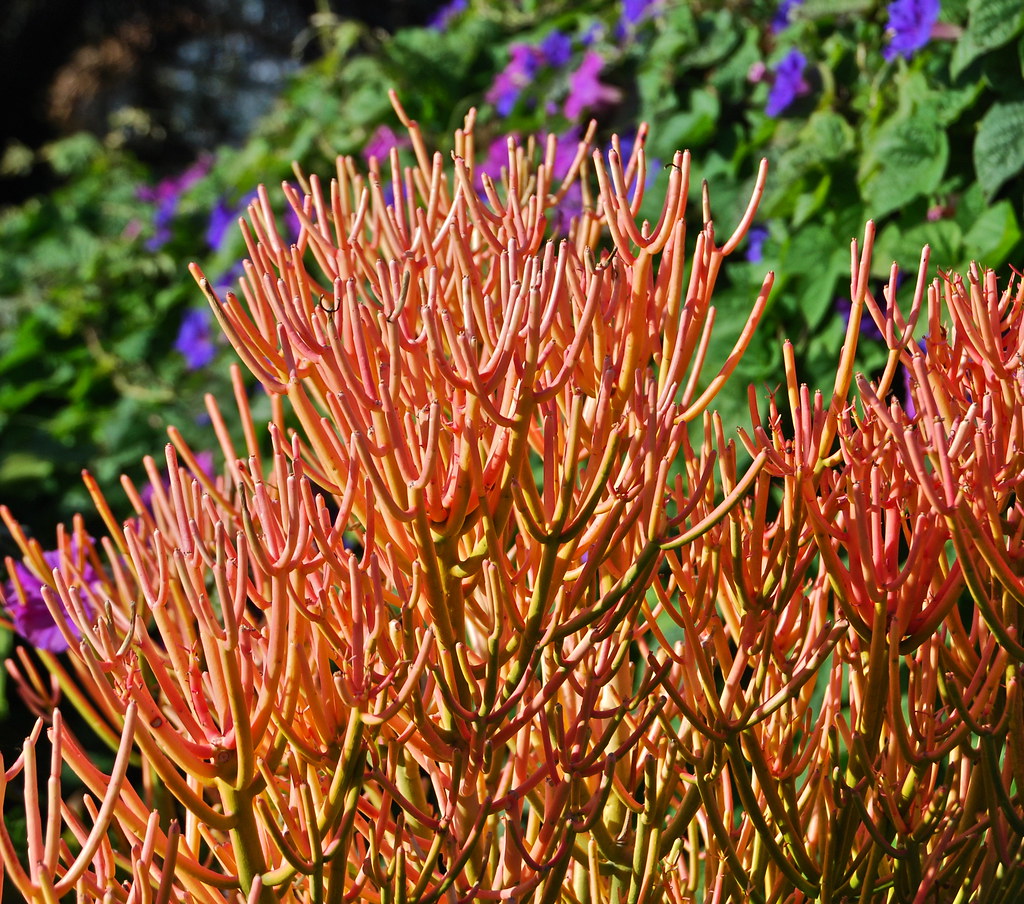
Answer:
(493, 609)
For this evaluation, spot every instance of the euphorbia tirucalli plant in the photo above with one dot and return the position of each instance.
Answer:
(500, 616)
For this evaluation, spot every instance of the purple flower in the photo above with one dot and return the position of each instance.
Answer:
(566, 210)
(165, 194)
(909, 382)
(491, 165)
(592, 34)
(173, 186)
(30, 617)
(626, 143)
(634, 12)
(868, 328)
(585, 90)
(571, 206)
(565, 152)
(228, 281)
(789, 83)
(783, 14)
(195, 338)
(223, 217)
(556, 49)
(293, 222)
(910, 26)
(162, 224)
(909, 408)
(382, 141)
(756, 238)
(509, 83)
(447, 14)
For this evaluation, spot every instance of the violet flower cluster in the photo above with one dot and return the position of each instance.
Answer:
(166, 195)
(195, 341)
(447, 14)
(583, 91)
(910, 26)
(784, 14)
(23, 599)
(635, 12)
(788, 83)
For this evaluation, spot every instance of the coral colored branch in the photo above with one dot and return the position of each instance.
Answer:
(494, 608)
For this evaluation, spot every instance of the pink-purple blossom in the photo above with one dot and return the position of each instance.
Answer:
(788, 83)
(517, 74)
(29, 614)
(382, 141)
(586, 91)
(166, 194)
(447, 14)
(910, 26)
(908, 392)
(571, 206)
(492, 164)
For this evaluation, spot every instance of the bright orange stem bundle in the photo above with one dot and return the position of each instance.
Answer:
(500, 616)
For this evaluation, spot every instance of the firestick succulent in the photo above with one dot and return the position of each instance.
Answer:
(578, 650)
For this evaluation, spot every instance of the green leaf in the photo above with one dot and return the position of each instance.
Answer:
(921, 92)
(672, 41)
(24, 466)
(718, 36)
(1000, 73)
(809, 203)
(904, 159)
(992, 23)
(952, 101)
(658, 69)
(821, 9)
(992, 237)
(998, 149)
(73, 154)
(797, 175)
(689, 129)
(731, 76)
(826, 137)
(970, 205)
(944, 238)
(816, 261)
